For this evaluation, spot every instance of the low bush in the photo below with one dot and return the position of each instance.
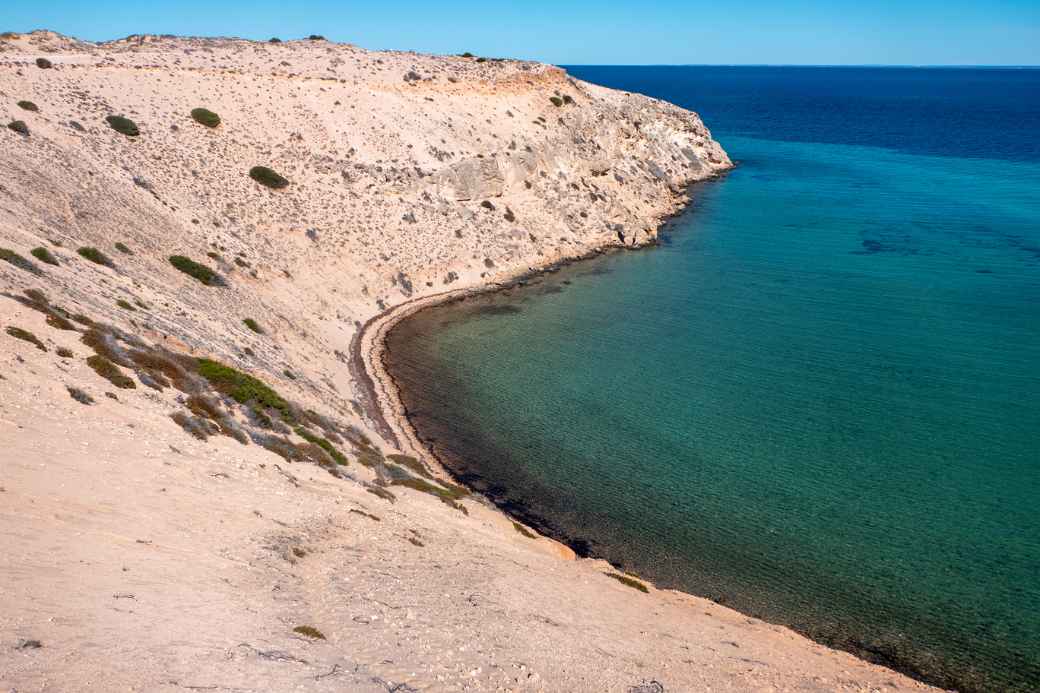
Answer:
(556, 101)
(448, 496)
(26, 336)
(253, 325)
(523, 531)
(110, 372)
(380, 492)
(200, 428)
(65, 353)
(123, 126)
(411, 463)
(121, 247)
(267, 177)
(9, 256)
(19, 126)
(315, 37)
(28, 106)
(242, 387)
(44, 64)
(95, 256)
(203, 116)
(310, 632)
(125, 305)
(337, 456)
(44, 255)
(79, 395)
(198, 271)
(630, 582)
(274, 39)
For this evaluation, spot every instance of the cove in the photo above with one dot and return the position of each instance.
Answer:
(817, 400)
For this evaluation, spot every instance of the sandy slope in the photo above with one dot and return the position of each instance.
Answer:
(143, 558)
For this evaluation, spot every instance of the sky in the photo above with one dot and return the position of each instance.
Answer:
(784, 32)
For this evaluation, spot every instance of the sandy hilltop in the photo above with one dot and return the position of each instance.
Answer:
(204, 480)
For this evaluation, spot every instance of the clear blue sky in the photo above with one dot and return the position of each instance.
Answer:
(908, 32)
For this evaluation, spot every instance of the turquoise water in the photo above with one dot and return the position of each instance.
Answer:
(818, 401)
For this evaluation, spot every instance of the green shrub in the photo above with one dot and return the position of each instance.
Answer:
(252, 324)
(123, 126)
(410, 463)
(467, 54)
(28, 106)
(625, 580)
(448, 496)
(205, 117)
(322, 443)
(274, 39)
(44, 255)
(9, 256)
(265, 176)
(44, 64)
(95, 256)
(556, 101)
(110, 372)
(315, 37)
(121, 247)
(193, 269)
(19, 126)
(242, 387)
(125, 305)
(310, 632)
(65, 353)
(26, 336)
(523, 531)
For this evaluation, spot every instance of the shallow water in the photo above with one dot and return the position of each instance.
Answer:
(819, 400)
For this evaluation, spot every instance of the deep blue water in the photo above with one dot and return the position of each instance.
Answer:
(819, 400)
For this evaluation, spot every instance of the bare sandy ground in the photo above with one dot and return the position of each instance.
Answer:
(137, 556)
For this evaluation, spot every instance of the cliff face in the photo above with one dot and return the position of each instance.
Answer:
(407, 173)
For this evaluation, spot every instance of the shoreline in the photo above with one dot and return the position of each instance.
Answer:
(384, 406)
(380, 396)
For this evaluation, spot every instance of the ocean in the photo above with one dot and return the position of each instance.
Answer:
(818, 400)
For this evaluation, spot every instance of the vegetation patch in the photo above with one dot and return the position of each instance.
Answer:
(123, 126)
(28, 106)
(121, 247)
(310, 632)
(411, 463)
(206, 117)
(110, 372)
(380, 492)
(95, 256)
(79, 395)
(266, 176)
(9, 256)
(368, 515)
(524, 531)
(198, 271)
(448, 496)
(44, 255)
(630, 582)
(556, 101)
(65, 353)
(242, 387)
(200, 428)
(26, 336)
(323, 443)
(125, 305)
(253, 325)
(19, 126)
